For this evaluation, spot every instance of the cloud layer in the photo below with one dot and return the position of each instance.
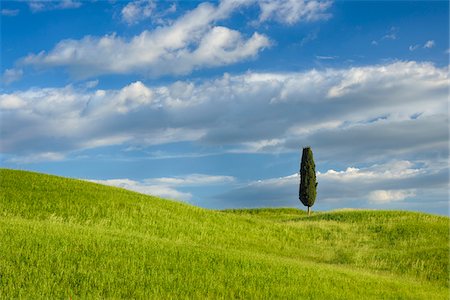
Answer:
(358, 114)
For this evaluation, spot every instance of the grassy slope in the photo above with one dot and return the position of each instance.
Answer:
(61, 237)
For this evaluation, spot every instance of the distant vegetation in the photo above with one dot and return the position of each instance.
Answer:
(62, 238)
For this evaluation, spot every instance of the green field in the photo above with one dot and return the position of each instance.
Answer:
(62, 238)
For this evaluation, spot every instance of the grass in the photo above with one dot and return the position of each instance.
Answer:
(62, 238)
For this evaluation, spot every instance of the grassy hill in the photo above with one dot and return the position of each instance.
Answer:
(62, 238)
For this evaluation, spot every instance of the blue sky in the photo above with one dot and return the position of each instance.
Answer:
(211, 102)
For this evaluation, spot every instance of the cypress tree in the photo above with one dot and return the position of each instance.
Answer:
(308, 184)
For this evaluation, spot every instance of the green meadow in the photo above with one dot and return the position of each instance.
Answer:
(64, 238)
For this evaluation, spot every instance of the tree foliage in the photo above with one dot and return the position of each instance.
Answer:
(308, 183)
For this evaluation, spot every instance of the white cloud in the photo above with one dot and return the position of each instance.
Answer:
(9, 102)
(9, 12)
(191, 180)
(91, 84)
(386, 196)
(38, 157)
(264, 145)
(323, 57)
(172, 8)
(140, 187)
(395, 109)
(43, 5)
(11, 75)
(133, 96)
(137, 11)
(179, 48)
(429, 44)
(293, 11)
(167, 187)
(193, 41)
(395, 170)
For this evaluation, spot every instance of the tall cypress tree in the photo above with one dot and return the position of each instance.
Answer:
(308, 184)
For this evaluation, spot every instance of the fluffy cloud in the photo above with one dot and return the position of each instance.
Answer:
(358, 114)
(190, 43)
(386, 196)
(136, 11)
(11, 102)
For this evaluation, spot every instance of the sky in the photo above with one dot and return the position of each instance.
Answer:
(211, 103)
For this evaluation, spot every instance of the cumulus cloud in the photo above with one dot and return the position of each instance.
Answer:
(193, 41)
(137, 11)
(393, 170)
(386, 196)
(11, 102)
(190, 43)
(395, 109)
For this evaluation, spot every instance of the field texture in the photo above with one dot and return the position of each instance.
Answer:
(62, 238)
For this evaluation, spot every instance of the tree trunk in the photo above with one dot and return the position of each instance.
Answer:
(309, 212)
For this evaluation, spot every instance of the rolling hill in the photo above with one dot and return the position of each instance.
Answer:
(66, 238)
